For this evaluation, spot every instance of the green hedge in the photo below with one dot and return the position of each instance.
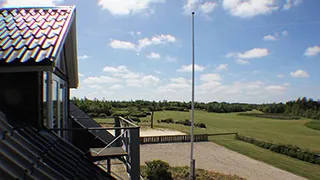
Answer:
(271, 116)
(185, 122)
(288, 150)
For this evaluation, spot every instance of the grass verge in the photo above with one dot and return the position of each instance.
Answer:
(298, 167)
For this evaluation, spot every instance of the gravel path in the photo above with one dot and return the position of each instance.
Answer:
(214, 157)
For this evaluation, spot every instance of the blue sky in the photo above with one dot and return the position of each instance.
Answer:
(246, 50)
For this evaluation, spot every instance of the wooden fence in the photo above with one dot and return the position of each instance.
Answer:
(177, 138)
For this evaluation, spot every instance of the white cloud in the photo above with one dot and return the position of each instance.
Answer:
(270, 38)
(176, 85)
(143, 43)
(80, 75)
(128, 75)
(196, 6)
(128, 7)
(132, 33)
(116, 87)
(84, 57)
(171, 59)
(154, 56)
(94, 86)
(210, 77)
(207, 7)
(33, 3)
(145, 81)
(100, 79)
(280, 76)
(276, 36)
(299, 74)
(149, 80)
(179, 80)
(249, 8)
(133, 83)
(157, 71)
(121, 72)
(312, 51)
(276, 89)
(241, 61)
(117, 44)
(209, 86)
(118, 69)
(254, 53)
(285, 33)
(156, 40)
(290, 3)
(188, 68)
(190, 6)
(222, 67)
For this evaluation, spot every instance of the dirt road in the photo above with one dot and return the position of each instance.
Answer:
(214, 157)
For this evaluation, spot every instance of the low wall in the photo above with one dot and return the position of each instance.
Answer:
(178, 138)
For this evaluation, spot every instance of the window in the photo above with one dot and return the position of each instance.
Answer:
(55, 103)
(45, 99)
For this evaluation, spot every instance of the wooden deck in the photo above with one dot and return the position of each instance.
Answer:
(112, 152)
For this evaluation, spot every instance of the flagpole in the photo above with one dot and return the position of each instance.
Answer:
(192, 163)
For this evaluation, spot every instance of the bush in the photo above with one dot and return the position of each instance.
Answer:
(158, 170)
(186, 122)
(93, 114)
(288, 150)
(139, 114)
(120, 113)
(135, 119)
(168, 120)
(102, 115)
(200, 125)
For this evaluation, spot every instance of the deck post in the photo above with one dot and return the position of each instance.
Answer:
(134, 153)
(117, 132)
(108, 165)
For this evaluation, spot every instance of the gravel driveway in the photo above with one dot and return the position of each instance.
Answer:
(214, 157)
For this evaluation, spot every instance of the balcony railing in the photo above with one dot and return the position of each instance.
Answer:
(125, 146)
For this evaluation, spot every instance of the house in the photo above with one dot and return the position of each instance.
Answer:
(41, 132)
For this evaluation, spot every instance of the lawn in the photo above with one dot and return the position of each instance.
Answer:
(104, 120)
(315, 124)
(292, 132)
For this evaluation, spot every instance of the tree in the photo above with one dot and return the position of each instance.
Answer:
(152, 108)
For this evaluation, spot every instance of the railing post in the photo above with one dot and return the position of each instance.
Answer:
(135, 153)
(117, 132)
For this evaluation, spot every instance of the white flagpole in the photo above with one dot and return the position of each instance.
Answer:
(192, 163)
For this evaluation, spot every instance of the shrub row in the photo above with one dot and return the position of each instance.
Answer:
(270, 116)
(174, 108)
(185, 122)
(288, 150)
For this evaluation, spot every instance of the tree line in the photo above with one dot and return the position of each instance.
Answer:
(303, 107)
(97, 107)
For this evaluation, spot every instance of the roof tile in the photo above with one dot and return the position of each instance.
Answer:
(31, 34)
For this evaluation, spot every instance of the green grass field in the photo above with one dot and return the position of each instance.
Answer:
(315, 124)
(292, 132)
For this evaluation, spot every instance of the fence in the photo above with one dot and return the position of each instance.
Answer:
(178, 138)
